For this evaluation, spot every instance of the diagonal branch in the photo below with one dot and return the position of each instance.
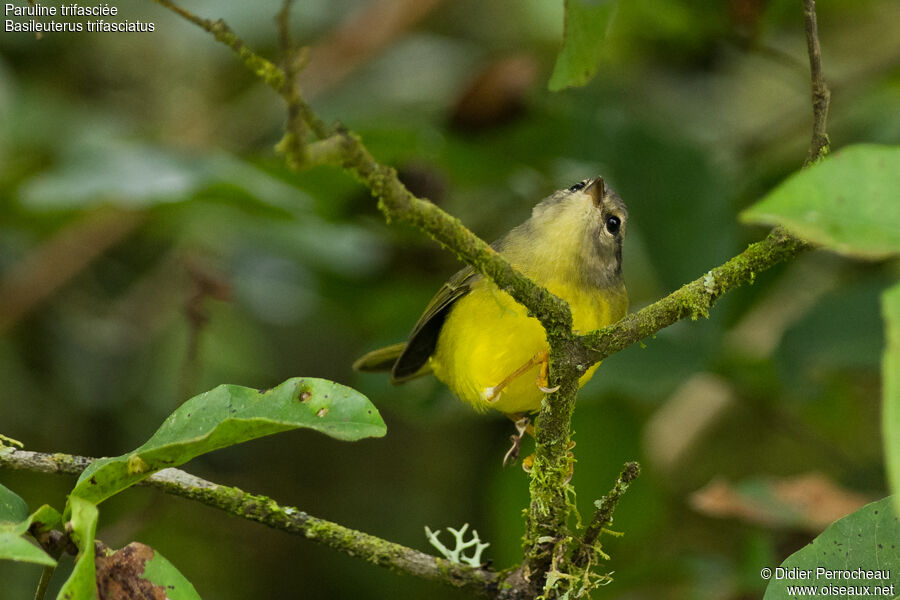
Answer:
(693, 299)
(264, 510)
(583, 554)
(394, 200)
(696, 298)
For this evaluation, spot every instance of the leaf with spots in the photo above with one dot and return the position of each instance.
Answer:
(868, 539)
(162, 573)
(139, 571)
(849, 202)
(231, 414)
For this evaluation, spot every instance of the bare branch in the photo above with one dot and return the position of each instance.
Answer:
(821, 95)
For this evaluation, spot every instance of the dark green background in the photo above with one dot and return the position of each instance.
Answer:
(697, 110)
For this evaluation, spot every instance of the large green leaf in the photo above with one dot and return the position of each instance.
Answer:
(82, 583)
(231, 414)
(890, 303)
(585, 31)
(865, 540)
(847, 202)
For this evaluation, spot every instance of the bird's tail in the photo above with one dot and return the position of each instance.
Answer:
(382, 359)
(385, 359)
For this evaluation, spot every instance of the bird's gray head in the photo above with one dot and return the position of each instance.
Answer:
(582, 229)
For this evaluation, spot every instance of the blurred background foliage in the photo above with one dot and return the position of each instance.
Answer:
(153, 245)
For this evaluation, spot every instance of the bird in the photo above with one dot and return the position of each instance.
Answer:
(481, 343)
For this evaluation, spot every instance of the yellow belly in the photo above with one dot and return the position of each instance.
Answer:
(488, 335)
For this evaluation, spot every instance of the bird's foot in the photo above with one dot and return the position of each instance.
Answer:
(543, 383)
(523, 426)
(491, 394)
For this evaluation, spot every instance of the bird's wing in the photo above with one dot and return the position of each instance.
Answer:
(424, 336)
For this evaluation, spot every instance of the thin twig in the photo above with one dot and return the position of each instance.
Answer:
(821, 95)
(264, 510)
(603, 517)
(44, 582)
(283, 20)
(293, 146)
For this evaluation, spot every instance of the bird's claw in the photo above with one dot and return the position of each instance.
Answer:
(491, 394)
(521, 429)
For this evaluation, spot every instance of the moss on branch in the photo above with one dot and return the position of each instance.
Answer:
(584, 554)
(694, 299)
(264, 510)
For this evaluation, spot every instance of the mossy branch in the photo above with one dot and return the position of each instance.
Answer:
(694, 299)
(585, 552)
(261, 509)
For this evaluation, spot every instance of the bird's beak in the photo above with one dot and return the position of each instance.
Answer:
(596, 189)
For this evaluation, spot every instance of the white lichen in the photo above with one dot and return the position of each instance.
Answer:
(456, 555)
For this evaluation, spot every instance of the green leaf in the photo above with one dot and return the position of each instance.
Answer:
(231, 414)
(14, 546)
(46, 517)
(890, 306)
(14, 523)
(846, 202)
(867, 539)
(12, 508)
(82, 583)
(585, 31)
(159, 571)
(132, 567)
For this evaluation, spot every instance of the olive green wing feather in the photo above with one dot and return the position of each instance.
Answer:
(409, 359)
(413, 361)
(382, 359)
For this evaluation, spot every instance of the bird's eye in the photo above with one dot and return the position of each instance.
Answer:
(613, 224)
(578, 186)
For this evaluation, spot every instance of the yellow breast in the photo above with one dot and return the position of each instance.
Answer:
(488, 335)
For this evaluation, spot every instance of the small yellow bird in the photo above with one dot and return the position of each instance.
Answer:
(481, 343)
